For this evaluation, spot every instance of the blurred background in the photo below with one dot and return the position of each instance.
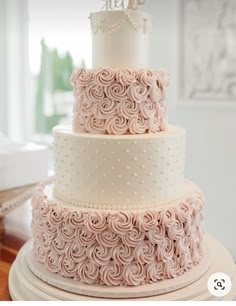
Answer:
(195, 40)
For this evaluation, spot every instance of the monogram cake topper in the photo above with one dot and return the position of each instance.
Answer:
(127, 8)
(122, 4)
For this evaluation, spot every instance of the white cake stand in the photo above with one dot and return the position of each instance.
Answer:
(28, 281)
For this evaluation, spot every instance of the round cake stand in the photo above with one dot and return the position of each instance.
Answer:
(24, 285)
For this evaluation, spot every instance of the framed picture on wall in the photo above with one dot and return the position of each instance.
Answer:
(209, 50)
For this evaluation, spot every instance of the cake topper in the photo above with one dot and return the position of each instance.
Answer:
(133, 4)
(121, 4)
(127, 8)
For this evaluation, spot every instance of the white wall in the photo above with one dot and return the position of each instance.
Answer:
(15, 111)
(211, 129)
(3, 107)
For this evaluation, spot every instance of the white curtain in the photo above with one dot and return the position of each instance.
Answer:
(15, 107)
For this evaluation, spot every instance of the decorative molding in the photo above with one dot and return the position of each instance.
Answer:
(209, 31)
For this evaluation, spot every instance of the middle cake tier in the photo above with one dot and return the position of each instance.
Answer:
(118, 172)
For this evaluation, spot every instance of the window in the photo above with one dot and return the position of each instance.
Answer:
(59, 40)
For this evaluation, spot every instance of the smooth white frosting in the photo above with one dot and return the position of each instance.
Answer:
(109, 171)
(124, 46)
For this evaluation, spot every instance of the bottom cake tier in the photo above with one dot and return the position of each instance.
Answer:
(118, 248)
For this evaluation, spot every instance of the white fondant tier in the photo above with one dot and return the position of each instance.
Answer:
(120, 39)
(119, 172)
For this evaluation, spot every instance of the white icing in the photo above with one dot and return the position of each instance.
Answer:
(120, 39)
(118, 171)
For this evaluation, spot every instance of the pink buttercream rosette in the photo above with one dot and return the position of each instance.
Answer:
(119, 101)
(118, 248)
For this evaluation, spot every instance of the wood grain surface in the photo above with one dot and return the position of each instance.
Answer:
(16, 230)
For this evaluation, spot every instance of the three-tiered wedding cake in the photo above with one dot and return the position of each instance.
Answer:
(119, 211)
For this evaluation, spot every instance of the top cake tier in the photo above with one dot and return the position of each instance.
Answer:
(120, 39)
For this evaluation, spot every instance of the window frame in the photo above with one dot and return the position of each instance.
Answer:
(16, 112)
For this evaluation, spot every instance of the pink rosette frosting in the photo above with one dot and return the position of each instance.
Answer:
(156, 94)
(134, 274)
(45, 240)
(55, 215)
(128, 109)
(75, 219)
(42, 254)
(155, 271)
(85, 237)
(167, 217)
(196, 257)
(78, 92)
(82, 77)
(154, 125)
(105, 108)
(171, 269)
(122, 254)
(116, 125)
(185, 262)
(147, 221)
(138, 92)
(156, 235)
(133, 237)
(137, 125)
(95, 222)
(58, 245)
(99, 254)
(85, 106)
(120, 223)
(184, 212)
(115, 248)
(95, 125)
(53, 261)
(105, 76)
(165, 250)
(182, 245)
(176, 230)
(94, 92)
(188, 227)
(68, 268)
(116, 91)
(76, 252)
(108, 238)
(126, 77)
(148, 108)
(66, 232)
(49, 228)
(145, 253)
(88, 272)
(118, 96)
(146, 77)
(111, 274)
(79, 123)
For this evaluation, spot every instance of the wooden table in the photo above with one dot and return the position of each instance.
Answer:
(17, 230)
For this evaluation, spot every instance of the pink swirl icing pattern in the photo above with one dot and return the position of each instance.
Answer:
(115, 248)
(119, 101)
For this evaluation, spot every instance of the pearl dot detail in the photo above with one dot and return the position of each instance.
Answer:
(87, 169)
